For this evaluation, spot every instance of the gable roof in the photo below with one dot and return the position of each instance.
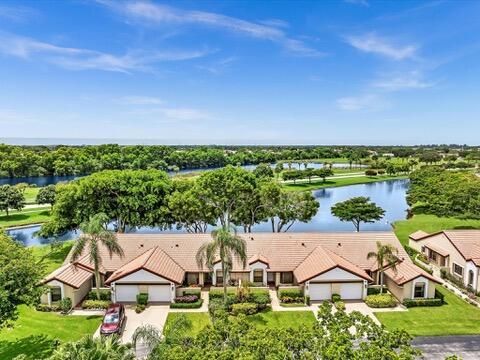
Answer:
(258, 258)
(155, 261)
(407, 271)
(69, 274)
(417, 235)
(322, 260)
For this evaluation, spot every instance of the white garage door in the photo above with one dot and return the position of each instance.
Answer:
(126, 293)
(320, 291)
(351, 291)
(159, 293)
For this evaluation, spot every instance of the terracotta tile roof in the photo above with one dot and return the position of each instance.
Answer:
(258, 257)
(467, 242)
(69, 274)
(407, 271)
(322, 260)
(417, 235)
(286, 251)
(437, 249)
(154, 260)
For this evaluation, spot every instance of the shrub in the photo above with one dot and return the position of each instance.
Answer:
(104, 295)
(139, 308)
(262, 299)
(443, 272)
(336, 297)
(423, 267)
(215, 306)
(218, 293)
(192, 292)
(381, 172)
(381, 301)
(244, 308)
(307, 300)
(422, 302)
(340, 305)
(439, 295)
(289, 296)
(142, 299)
(410, 251)
(186, 299)
(370, 172)
(96, 304)
(374, 290)
(192, 305)
(47, 308)
(65, 305)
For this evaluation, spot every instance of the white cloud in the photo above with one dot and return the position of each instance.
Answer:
(369, 102)
(218, 67)
(161, 14)
(17, 13)
(371, 43)
(139, 100)
(84, 59)
(412, 80)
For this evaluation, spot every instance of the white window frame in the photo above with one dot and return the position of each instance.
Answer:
(424, 285)
(456, 273)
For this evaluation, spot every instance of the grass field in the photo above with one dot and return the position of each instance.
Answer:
(329, 183)
(197, 321)
(456, 317)
(31, 194)
(27, 217)
(430, 224)
(52, 258)
(35, 333)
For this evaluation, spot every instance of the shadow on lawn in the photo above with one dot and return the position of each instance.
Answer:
(34, 347)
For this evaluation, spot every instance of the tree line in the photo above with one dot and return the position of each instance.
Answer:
(136, 198)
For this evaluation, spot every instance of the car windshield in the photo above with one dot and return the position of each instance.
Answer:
(111, 319)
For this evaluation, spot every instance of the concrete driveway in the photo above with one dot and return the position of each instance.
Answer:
(155, 315)
(439, 347)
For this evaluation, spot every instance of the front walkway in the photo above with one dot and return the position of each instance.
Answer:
(364, 309)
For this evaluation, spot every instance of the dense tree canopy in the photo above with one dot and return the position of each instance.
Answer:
(46, 195)
(441, 192)
(357, 210)
(19, 276)
(11, 197)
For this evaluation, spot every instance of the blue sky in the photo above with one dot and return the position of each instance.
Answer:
(242, 72)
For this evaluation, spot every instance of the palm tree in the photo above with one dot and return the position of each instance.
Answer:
(385, 254)
(224, 246)
(95, 233)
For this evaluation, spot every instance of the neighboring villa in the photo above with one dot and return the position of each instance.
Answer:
(455, 250)
(319, 263)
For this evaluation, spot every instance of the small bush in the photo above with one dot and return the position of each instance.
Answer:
(218, 293)
(192, 305)
(411, 251)
(104, 295)
(307, 300)
(47, 308)
(423, 267)
(139, 308)
(65, 305)
(192, 292)
(370, 172)
(215, 306)
(381, 172)
(142, 299)
(439, 295)
(290, 296)
(380, 301)
(336, 297)
(374, 290)
(339, 305)
(187, 299)
(244, 308)
(261, 299)
(443, 272)
(422, 302)
(95, 304)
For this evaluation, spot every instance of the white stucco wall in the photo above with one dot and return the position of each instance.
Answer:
(335, 275)
(259, 266)
(142, 276)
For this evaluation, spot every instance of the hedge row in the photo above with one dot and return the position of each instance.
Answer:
(381, 301)
(96, 304)
(193, 305)
(422, 302)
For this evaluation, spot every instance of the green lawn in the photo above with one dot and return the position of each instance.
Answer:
(52, 258)
(430, 224)
(198, 321)
(34, 333)
(457, 317)
(339, 182)
(31, 194)
(282, 319)
(27, 217)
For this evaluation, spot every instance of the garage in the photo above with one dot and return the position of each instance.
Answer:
(126, 293)
(159, 293)
(351, 291)
(320, 291)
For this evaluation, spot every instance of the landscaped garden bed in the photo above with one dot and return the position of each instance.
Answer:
(292, 298)
(251, 300)
(188, 301)
(384, 300)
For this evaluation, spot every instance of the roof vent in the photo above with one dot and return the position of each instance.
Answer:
(303, 244)
(251, 238)
(141, 245)
(339, 244)
(176, 245)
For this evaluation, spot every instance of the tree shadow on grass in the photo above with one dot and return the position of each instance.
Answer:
(33, 346)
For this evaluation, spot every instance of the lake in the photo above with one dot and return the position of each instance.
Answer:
(52, 180)
(390, 195)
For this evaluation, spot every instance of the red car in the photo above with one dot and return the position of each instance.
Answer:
(113, 320)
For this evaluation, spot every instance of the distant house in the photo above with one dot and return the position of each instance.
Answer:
(388, 155)
(458, 251)
(319, 263)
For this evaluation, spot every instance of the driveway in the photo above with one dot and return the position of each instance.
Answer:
(155, 315)
(439, 347)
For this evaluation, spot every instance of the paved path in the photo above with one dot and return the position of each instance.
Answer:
(439, 347)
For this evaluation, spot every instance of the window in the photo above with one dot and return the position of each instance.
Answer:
(286, 278)
(219, 277)
(56, 293)
(470, 277)
(457, 270)
(419, 291)
(258, 276)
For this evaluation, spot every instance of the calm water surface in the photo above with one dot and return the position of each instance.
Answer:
(390, 195)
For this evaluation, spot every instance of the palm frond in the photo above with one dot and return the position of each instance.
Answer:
(79, 247)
